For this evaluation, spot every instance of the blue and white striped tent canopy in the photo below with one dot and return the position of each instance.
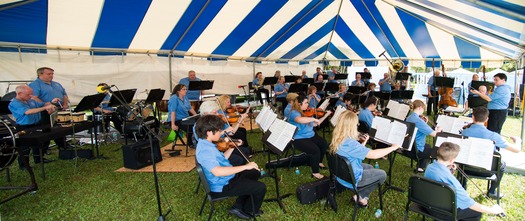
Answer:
(277, 30)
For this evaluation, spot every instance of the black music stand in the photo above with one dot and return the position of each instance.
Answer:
(357, 90)
(309, 81)
(272, 171)
(331, 87)
(489, 85)
(476, 101)
(319, 86)
(200, 85)
(403, 76)
(290, 78)
(122, 97)
(341, 77)
(364, 75)
(90, 102)
(407, 94)
(443, 82)
(382, 95)
(411, 127)
(298, 88)
(270, 81)
(155, 95)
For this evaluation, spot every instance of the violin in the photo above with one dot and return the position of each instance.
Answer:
(425, 118)
(234, 113)
(446, 93)
(223, 145)
(377, 113)
(310, 112)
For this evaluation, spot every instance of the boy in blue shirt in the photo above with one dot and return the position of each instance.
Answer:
(225, 179)
(440, 170)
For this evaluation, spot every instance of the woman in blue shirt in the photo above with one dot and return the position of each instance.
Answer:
(369, 107)
(258, 86)
(281, 90)
(424, 151)
(305, 139)
(179, 107)
(345, 143)
(313, 97)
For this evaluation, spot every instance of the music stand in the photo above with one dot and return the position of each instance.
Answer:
(309, 81)
(319, 86)
(364, 75)
(118, 97)
(331, 87)
(403, 76)
(476, 101)
(341, 77)
(155, 95)
(325, 76)
(4, 108)
(90, 102)
(298, 88)
(443, 82)
(489, 85)
(290, 78)
(407, 94)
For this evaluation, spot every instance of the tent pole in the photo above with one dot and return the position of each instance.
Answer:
(520, 62)
(169, 71)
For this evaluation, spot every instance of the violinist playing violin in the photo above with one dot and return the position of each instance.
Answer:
(369, 110)
(467, 208)
(223, 178)
(236, 158)
(236, 131)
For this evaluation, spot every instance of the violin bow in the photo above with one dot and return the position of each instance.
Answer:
(236, 146)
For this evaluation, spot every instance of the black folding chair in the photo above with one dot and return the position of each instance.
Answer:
(431, 198)
(208, 196)
(493, 175)
(341, 167)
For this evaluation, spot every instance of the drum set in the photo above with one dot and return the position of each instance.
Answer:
(139, 112)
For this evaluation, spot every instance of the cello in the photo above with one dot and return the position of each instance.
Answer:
(446, 93)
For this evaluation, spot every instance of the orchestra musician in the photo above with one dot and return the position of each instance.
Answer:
(475, 77)
(290, 98)
(318, 72)
(339, 95)
(105, 110)
(179, 107)
(313, 98)
(384, 84)
(347, 99)
(236, 132)
(467, 208)
(281, 90)
(432, 94)
(498, 102)
(482, 89)
(193, 95)
(319, 79)
(305, 139)
(478, 130)
(424, 151)
(369, 108)
(370, 87)
(223, 178)
(257, 84)
(366, 80)
(331, 75)
(358, 81)
(26, 112)
(303, 74)
(236, 158)
(345, 143)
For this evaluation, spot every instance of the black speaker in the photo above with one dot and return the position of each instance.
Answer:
(138, 155)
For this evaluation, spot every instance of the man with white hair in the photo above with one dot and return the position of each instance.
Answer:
(193, 95)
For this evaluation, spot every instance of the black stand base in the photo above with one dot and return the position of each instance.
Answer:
(272, 173)
(388, 184)
(25, 189)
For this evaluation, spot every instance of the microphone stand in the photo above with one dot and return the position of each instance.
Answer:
(463, 93)
(152, 153)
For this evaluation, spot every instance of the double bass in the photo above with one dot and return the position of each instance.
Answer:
(445, 93)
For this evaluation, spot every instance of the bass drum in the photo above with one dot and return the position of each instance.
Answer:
(133, 128)
(8, 151)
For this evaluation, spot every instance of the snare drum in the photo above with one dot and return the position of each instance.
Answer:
(77, 117)
(133, 113)
(147, 110)
(63, 117)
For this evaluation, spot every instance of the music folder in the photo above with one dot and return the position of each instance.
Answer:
(488, 85)
(331, 87)
(380, 94)
(290, 78)
(393, 131)
(396, 110)
(341, 76)
(443, 82)
(308, 81)
(200, 85)
(298, 88)
(402, 76)
(319, 86)
(356, 89)
(473, 151)
(476, 101)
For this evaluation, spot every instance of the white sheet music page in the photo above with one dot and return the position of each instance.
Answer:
(282, 133)
(383, 131)
(335, 117)
(325, 103)
(261, 115)
(481, 152)
(397, 133)
(446, 123)
(379, 121)
(464, 151)
(454, 109)
(268, 120)
(397, 110)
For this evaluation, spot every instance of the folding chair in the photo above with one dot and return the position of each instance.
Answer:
(341, 167)
(493, 175)
(208, 196)
(431, 198)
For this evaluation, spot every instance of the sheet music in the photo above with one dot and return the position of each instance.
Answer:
(282, 133)
(325, 103)
(454, 109)
(378, 121)
(397, 110)
(440, 140)
(452, 124)
(392, 132)
(397, 133)
(261, 114)
(265, 118)
(409, 148)
(335, 117)
(474, 151)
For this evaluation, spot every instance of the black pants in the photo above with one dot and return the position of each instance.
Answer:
(316, 147)
(60, 142)
(243, 185)
(237, 158)
(496, 120)
(265, 91)
(188, 130)
(422, 157)
(461, 214)
(26, 150)
(432, 103)
(241, 134)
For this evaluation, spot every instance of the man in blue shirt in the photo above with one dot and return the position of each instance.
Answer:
(432, 103)
(107, 112)
(358, 81)
(498, 102)
(331, 75)
(223, 178)
(318, 71)
(384, 84)
(46, 90)
(26, 112)
(193, 95)
(478, 130)
(440, 170)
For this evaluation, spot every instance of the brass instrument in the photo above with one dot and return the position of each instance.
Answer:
(396, 65)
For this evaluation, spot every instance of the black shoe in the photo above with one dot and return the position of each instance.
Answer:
(238, 213)
(259, 213)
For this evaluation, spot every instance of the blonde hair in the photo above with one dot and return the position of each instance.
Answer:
(297, 104)
(417, 103)
(291, 96)
(346, 127)
(222, 100)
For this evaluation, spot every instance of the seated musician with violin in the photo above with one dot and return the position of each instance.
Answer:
(347, 99)
(236, 116)
(225, 179)
(424, 151)
(477, 129)
(442, 170)
(369, 110)
(179, 107)
(305, 139)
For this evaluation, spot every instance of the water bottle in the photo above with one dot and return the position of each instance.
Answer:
(376, 165)
(263, 172)
(115, 136)
(297, 171)
(378, 213)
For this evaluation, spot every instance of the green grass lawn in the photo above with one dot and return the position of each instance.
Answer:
(92, 190)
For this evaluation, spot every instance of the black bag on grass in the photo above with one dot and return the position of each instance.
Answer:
(313, 191)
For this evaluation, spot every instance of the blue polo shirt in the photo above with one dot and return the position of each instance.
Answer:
(431, 83)
(180, 107)
(280, 88)
(422, 130)
(332, 74)
(439, 172)
(191, 94)
(340, 101)
(366, 116)
(287, 110)
(256, 81)
(386, 87)
(312, 102)
(480, 131)
(47, 92)
(19, 108)
(303, 130)
(355, 153)
(500, 98)
(105, 105)
(354, 83)
(210, 157)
